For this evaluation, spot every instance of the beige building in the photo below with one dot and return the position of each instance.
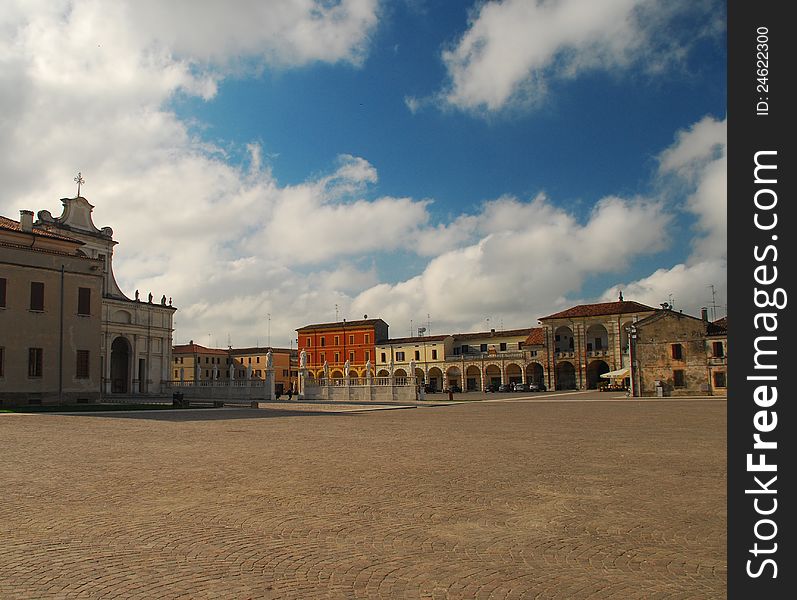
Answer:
(679, 355)
(587, 341)
(466, 361)
(136, 337)
(426, 355)
(50, 316)
(192, 362)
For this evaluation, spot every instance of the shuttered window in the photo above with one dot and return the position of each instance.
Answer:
(36, 295)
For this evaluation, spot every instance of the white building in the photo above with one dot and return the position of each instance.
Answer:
(136, 345)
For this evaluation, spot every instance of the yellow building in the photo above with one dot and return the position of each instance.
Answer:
(50, 316)
(193, 362)
(425, 354)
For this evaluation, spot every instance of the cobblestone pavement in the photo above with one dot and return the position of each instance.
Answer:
(483, 500)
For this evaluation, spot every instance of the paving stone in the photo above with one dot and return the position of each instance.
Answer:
(484, 500)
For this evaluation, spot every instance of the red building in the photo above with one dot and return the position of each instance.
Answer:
(336, 343)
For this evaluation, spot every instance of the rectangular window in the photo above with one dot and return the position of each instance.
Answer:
(520, 345)
(337, 340)
(719, 351)
(678, 379)
(677, 352)
(351, 339)
(323, 357)
(351, 356)
(35, 360)
(384, 358)
(83, 301)
(434, 354)
(82, 365)
(323, 341)
(2, 361)
(598, 344)
(417, 355)
(257, 359)
(309, 342)
(367, 338)
(457, 350)
(503, 346)
(719, 379)
(367, 355)
(337, 357)
(482, 347)
(249, 360)
(400, 356)
(176, 375)
(2, 292)
(36, 295)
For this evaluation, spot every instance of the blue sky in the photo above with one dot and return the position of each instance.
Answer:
(507, 158)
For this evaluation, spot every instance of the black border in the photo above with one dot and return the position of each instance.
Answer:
(747, 134)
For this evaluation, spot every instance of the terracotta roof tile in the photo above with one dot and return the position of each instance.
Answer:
(600, 309)
(12, 225)
(497, 334)
(418, 339)
(341, 324)
(536, 337)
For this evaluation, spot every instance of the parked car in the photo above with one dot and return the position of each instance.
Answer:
(505, 387)
(536, 387)
(521, 387)
(429, 389)
(454, 389)
(490, 388)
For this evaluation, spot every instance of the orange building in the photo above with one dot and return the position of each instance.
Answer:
(336, 343)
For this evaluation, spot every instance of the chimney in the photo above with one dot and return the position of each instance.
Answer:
(26, 220)
(492, 332)
(704, 313)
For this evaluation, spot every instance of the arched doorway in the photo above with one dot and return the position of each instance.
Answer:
(435, 379)
(564, 340)
(493, 375)
(565, 376)
(383, 373)
(453, 377)
(594, 371)
(513, 373)
(535, 373)
(473, 378)
(597, 339)
(120, 366)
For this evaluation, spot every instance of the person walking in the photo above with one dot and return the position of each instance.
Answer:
(290, 391)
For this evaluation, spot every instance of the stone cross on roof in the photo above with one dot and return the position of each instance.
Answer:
(79, 179)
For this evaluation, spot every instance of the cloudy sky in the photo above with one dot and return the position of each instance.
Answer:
(482, 163)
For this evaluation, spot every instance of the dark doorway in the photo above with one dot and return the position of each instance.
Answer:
(120, 366)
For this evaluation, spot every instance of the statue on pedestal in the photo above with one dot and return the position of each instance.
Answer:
(303, 359)
(269, 360)
(346, 368)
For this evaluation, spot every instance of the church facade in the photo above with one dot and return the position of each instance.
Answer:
(136, 334)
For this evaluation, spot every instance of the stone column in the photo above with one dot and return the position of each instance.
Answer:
(270, 386)
(134, 384)
(107, 363)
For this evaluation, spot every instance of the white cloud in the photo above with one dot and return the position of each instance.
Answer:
(695, 165)
(527, 257)
(513, 49)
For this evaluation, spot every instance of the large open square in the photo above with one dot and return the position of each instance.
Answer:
(566, 498)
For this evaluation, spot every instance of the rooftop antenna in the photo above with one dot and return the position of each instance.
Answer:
(269, 329)
(336, 313)
(209, 344)
(229, 343)
(671, 301)
(429, 323)
(410, 327)
(713, 302)
(488, 322)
